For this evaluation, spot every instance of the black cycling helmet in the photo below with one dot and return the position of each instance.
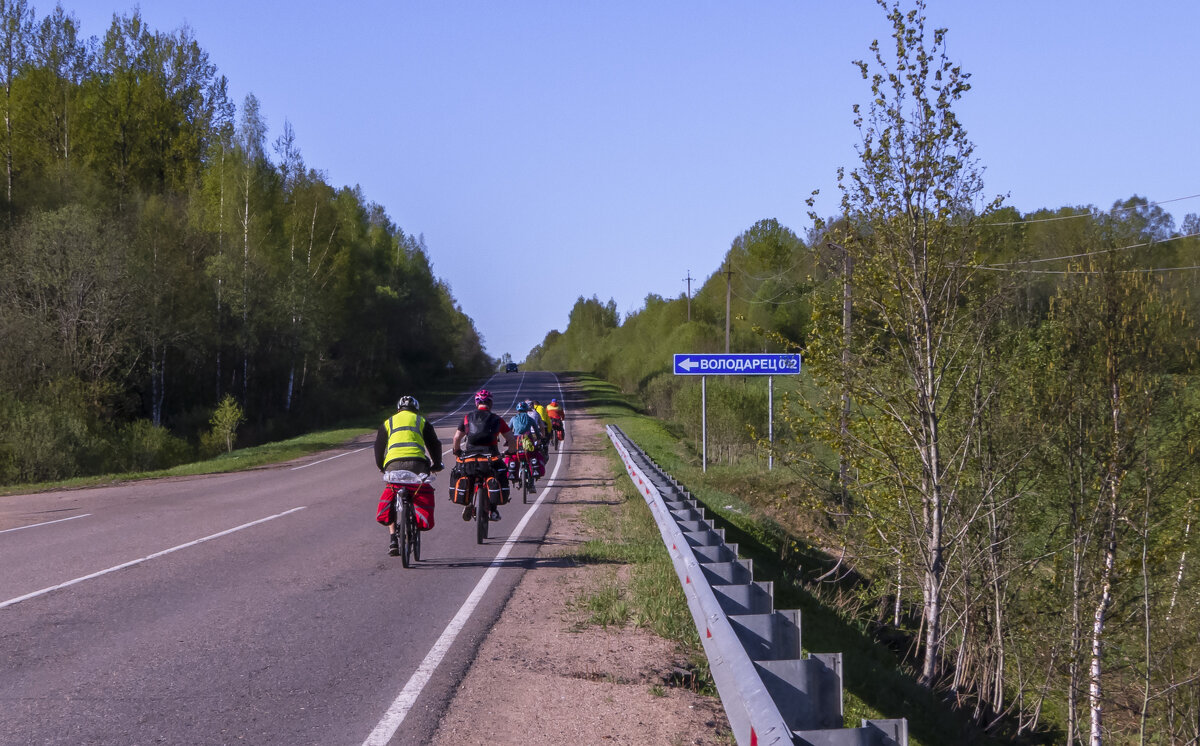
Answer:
(409, 402)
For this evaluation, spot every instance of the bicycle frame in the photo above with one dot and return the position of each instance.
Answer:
(525, 473)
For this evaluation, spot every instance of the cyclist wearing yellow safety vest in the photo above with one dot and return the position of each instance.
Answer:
(541, 413)
(403, 439)
(401, 444)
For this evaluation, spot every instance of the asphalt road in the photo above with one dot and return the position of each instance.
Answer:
(258, 607)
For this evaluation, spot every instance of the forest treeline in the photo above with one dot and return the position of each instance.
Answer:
(159, 253)
(996, 425)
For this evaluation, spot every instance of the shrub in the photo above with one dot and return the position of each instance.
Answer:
(144, 446)
(54, 435)
(225, 421)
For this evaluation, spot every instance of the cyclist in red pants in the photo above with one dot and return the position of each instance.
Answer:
(401, 444)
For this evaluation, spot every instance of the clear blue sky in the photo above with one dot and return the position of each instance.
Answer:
(553, 149)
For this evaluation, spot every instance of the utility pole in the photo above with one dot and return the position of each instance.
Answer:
(728, 295)
(688, 279)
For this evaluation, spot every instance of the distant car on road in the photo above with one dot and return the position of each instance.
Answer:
(511, 368)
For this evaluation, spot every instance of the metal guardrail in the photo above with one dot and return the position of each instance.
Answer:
(771, 694)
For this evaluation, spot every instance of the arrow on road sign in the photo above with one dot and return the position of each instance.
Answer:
(739, 364)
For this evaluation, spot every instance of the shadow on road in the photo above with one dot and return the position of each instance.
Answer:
(569, 484)
(517, 563)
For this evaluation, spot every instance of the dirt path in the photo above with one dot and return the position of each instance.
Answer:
(543, 677)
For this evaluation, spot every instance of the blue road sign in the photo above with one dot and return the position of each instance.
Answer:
(764, 364)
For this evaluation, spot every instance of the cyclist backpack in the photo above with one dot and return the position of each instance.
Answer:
(521, 423)
(482, 428)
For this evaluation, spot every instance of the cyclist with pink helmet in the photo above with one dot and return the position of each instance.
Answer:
(479, 434)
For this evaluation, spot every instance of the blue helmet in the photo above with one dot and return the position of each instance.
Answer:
(522, 407)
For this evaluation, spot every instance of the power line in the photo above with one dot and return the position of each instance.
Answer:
(780, 294)
(1084, 254)
(1088, 214)
(1147, 270)
(769, 300)
(764, 278)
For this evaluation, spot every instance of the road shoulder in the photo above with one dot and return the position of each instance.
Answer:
(543, 676)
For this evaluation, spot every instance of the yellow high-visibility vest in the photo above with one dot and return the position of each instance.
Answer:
(405, 439)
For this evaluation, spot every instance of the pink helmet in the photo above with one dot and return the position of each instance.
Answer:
(483, 396)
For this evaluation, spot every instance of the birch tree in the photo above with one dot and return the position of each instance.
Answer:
(59, 59)
(916, 355)
(16, 29)
(1117, 410)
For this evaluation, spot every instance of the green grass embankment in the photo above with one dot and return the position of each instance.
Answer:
(240, 459)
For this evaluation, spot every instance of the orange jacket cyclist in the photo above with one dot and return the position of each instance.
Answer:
(555, 412)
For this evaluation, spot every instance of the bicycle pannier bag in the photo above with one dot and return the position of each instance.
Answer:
(423, 506)
(386, 514)
(495, 493)
(460, 491)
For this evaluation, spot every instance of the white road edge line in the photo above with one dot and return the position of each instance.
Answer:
(404, 702)
(347, 453)
(123, 565)
(331, 458)
(470, 400)
(46, 523)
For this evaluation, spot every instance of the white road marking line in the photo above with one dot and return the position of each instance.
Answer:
(404, 702)
(331, 458)
(516, 394)
(347, 453)
(123, 565)
(510, 406)
(470, 400)
(46, 523)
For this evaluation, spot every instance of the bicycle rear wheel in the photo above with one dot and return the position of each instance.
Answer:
(482, 510)
(414, 535)
(403, 519)
(524, 477)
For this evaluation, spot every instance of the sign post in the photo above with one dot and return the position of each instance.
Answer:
(738, 364)
(704, 424)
